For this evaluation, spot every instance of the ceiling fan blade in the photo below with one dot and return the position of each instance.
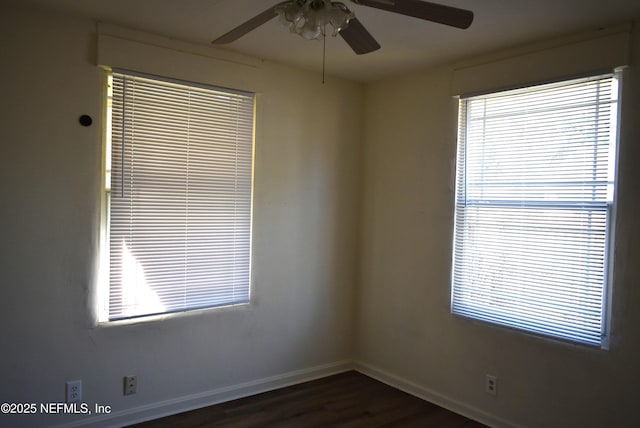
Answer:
(439, 13)
(360, 40)
(246, 27)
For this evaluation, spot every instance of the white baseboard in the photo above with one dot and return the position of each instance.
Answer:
(208, 398)
(221, 395)
(432, 396)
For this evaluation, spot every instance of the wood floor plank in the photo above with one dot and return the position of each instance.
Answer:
(346, 400)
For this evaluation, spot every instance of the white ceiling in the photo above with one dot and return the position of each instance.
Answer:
(408, 44)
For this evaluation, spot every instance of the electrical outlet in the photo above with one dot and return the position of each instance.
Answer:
(130, 385)
(491, 384)
(74, 391)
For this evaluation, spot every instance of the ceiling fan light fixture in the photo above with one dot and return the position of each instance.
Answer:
(309, 18)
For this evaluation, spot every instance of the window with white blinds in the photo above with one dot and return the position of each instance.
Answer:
(533, 215)
(179, 184)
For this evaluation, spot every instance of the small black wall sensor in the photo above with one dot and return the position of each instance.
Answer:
(85, 120)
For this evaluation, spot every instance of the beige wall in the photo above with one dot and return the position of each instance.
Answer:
(299, 323)
(352, 251)
(406, 334)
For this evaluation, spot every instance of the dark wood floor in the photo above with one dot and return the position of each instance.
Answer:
(348, 399)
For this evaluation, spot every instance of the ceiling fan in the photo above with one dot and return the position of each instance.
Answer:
(309, 19)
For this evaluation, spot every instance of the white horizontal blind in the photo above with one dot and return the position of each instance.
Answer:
(533, 200)
(180, 197)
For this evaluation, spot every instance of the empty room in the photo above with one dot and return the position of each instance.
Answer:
(315, 213)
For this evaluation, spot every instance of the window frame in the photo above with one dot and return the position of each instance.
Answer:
(608, 269)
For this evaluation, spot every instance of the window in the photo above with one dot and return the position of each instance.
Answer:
(179, 165)
(533, 215)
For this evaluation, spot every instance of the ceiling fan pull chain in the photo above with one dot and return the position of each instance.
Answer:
(324, 50)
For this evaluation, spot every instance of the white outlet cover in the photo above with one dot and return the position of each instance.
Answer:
(130, 385)
(74, 391)
(491, 384)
